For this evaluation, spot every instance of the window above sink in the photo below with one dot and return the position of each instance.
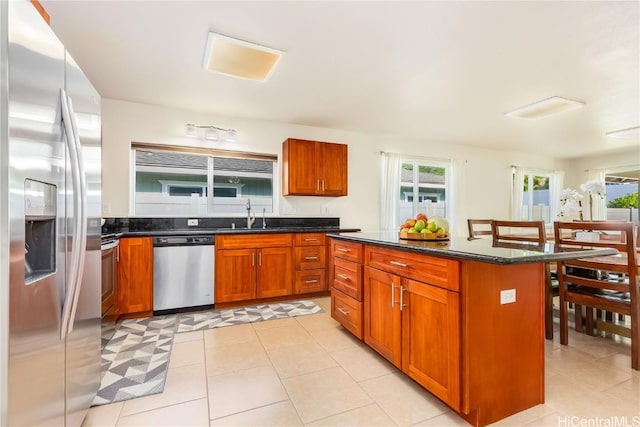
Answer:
(181, 181)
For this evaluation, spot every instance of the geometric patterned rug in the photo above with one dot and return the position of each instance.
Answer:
(256, 313)
(136, 358)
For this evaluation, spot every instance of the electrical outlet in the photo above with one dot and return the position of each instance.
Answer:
(106, 209)
(192, 222)
(289, 210)
(324, 210)
(507, 296)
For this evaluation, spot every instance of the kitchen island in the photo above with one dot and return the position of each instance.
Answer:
(463, 318)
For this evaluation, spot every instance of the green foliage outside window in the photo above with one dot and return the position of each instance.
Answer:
(626, 201)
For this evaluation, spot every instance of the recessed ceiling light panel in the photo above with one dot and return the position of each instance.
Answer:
(630, 133)
(238, 58)
(545, 108)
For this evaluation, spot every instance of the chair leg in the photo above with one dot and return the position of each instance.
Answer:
(564, 322)
(548, 312)
(577, 318)
(589, 323)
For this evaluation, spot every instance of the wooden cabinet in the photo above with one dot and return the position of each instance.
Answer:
(135, 276)
(313, 168)
(310, 259)
(250, 267)
(346, 285)
(414, 325)
(110, 282)
(444, 322)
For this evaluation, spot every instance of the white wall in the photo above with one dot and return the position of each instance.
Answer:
(485, 189)
(577, 168)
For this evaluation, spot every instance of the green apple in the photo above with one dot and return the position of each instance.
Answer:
(425, 231)
(419, 225)
(432, 226)
(413, 230)
(441, 231)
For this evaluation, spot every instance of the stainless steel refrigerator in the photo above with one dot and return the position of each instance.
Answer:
(50, 264)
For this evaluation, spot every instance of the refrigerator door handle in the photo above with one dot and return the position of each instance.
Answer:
(79, 218)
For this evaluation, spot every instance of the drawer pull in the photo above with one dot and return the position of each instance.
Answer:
(343, 311)
(311, 281)
(310, 239)
(399, 264)
(343, 277)
(310, 257)
(393, 294)
(343, 250)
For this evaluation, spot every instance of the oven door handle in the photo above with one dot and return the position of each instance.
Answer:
(108, 245)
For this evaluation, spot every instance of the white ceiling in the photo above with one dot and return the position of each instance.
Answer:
(439, 72)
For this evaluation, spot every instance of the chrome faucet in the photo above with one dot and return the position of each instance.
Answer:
(264, 220)
(250, 220)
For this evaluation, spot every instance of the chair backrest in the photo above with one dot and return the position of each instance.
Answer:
(479, 227)
(518, 231)
(612, 234)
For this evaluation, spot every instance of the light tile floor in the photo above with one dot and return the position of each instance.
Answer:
(310, 371)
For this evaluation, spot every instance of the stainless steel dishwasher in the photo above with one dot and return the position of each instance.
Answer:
(183, 268)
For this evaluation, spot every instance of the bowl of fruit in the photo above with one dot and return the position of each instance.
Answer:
(423, 228)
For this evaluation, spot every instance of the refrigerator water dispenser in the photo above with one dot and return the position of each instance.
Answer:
(39, 230)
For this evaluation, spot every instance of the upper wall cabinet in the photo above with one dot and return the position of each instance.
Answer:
(312, 168)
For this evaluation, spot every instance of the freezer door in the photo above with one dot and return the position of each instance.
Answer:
(36, 359)
(83, 338)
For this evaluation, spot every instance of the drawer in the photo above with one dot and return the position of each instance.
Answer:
(309, 239)
(253, 241)
(348, 312)
(310, 257)
(346, 250)
(347, 277)
(434, 271)
(310, 281)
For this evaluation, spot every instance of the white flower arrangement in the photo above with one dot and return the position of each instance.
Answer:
(571, 200)
(593, 187)
(570, 203)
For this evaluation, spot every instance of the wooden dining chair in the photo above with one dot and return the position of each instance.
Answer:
(479, 227)
(530, 232)
(609, 284)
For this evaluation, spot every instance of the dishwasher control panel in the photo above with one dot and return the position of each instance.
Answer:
(183, 240)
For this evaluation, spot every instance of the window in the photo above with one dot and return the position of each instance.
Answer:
(423, 188)
(535, 195)
(200, 182)
(622, 189)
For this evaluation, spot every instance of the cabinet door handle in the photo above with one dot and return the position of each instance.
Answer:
(393, 294)
(311, 257)
(343, 277)
(308, 239)
(311, 281)
(118, 253)
(323, 185)
(343, 311)
(260, 259)
(399, 264)
(402, 304)
(253, 259)
(318, 185)
(343, 250)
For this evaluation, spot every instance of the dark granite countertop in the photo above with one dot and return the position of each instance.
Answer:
(476, 249)
(216, 231)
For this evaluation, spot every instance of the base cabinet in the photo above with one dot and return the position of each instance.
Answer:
(135, 276)
(444, 323)
(250, 267)
(415, 326)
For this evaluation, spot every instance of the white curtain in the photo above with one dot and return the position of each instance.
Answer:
(457, 197)
(517, 192)
(555, 188)
(599, 204)
(390, 188)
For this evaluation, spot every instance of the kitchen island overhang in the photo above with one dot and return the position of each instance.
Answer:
(470, 315)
